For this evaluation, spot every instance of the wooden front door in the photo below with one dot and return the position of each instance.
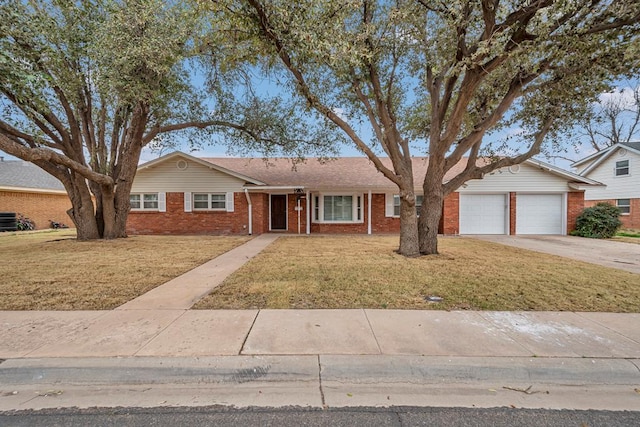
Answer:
(278, 211)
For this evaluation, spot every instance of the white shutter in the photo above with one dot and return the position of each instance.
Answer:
(388, 202)
(230, 201)
(187, 201)
(162, 202)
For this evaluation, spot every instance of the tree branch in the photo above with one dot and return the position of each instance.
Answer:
(39, 154)
(270, 34)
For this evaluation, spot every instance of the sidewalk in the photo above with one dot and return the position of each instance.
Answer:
(154, 351)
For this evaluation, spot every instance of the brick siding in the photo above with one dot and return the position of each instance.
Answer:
(575, 205)
(451, 214)
(39, 207)
(628, 221)
(176, 221)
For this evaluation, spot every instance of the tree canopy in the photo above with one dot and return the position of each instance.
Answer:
(85, 85)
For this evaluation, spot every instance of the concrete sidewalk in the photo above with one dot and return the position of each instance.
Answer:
(171, 333)
(320, 358)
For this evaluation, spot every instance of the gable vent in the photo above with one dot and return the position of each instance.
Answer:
(622, 152)
(514, 168)
(182, 165)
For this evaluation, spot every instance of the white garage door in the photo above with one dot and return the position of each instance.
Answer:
(539, 214)
(483, 213)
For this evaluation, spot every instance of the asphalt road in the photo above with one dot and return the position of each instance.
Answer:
(294, 416)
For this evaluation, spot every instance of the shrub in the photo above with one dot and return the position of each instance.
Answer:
(598, 222)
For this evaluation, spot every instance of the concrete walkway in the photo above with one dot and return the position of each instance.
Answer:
(154, 351)
(608, 253)
(185, 290)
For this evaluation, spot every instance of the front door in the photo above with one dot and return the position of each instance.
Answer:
(278, 211)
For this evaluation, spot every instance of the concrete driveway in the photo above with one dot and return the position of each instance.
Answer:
(620, 255)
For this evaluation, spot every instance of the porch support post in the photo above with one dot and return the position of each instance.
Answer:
(369, 212)
(308, 212)
(250, 210)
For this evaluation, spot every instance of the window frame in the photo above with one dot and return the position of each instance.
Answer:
(623, 207)
(357, 208)
(142, 203)
(209, 202)
(396, 197)
(618, 168)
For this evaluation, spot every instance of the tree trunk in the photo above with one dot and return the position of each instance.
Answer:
(430, 214)
(82, 209)
(409, 244)
(431, 210)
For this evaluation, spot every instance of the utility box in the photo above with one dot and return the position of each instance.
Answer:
(8, 221)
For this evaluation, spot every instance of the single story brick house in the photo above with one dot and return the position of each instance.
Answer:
(27, 190)
(182, 194)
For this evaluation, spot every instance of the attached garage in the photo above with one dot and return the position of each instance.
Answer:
(483, 214)
(539, 214)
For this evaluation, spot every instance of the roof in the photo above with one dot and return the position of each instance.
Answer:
(24, 175)
(602, 155)
(348, 172)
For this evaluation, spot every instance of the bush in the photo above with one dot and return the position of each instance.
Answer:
(598, 222)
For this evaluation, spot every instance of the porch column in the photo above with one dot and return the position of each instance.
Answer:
(308, 212)
(369, 212)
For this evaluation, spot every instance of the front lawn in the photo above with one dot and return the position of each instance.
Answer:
(356, 272)
(51, 270)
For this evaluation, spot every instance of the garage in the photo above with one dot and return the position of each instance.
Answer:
(483, 213)
(539, 214)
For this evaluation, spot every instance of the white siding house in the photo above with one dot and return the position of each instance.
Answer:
(618, 167)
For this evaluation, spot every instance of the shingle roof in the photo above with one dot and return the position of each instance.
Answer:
(634, 144)
(342, 172)
(17, 173)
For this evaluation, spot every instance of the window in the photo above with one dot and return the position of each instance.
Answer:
(337, 208)
(622, 168)
(396, 204)
(209, 201)
(624, 205)
(147, 201)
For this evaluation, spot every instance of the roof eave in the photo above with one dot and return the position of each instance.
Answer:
(561, 172)
(32, 190)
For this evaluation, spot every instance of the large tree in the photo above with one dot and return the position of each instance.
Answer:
(85, 85)
(427, 77)
(613, 119)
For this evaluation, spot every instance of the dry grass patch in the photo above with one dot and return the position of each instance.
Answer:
(53, 271)
(364, 272)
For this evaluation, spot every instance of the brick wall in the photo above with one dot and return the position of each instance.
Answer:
(451, 214)
(380, 223)
(351, 228)
(292, 214)
(628, 221)
(176, 221)
(512, 213)
(260, 212)
(39, 207)
(575, 205)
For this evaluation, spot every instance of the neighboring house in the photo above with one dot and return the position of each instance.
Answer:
(618, 167)
(182, 194)
(30, 191)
